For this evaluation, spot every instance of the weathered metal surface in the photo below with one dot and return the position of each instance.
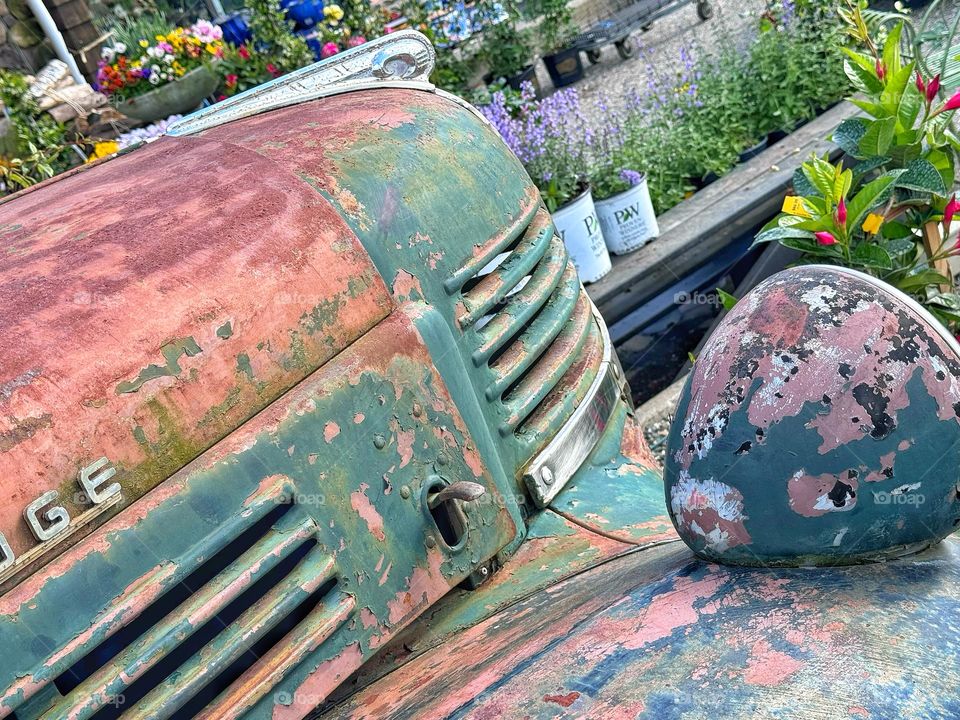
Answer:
(380, 158)
(659, 634)
(145, 330)
(819, 425)
(351, 451)
(619, 490)
(403, 59)
(613, 506)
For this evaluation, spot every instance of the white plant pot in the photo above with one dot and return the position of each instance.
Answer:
(627, 220)
(579, 228)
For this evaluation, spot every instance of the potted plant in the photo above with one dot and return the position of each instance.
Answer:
(890, 215)
(166, 75)
(549, 137)
(558, 32)
(507, 51)
(621, 193)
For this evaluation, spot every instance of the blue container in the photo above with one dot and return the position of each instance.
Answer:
(304, 13)
(312, 38)
(235, 28)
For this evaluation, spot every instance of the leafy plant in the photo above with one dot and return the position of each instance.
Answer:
(42, 149)
(556, 24)
(877, 215)
(273, 37)
(506, 48)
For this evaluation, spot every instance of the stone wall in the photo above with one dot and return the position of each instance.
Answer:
(22, 42)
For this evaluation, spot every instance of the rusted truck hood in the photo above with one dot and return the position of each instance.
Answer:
(154, 303)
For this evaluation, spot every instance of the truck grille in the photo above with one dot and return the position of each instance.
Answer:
(534, 329)
(216, 642)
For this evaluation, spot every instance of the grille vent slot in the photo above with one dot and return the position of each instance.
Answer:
(192, 651)
(532, 319)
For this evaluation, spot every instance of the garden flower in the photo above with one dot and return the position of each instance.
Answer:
(933, 88)
(356, 41)
(841, 213)
(231, 80)
(953, 103)
(825, 238)
(872, 224)
(243, 52)
(949, 211)
(920, 84)
(881, 69)
(329, 50)
(631, 176)
(272, 69)
(333, 12)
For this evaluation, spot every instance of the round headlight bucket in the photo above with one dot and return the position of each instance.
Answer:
(819, 426)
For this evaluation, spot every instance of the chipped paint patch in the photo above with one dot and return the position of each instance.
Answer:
(330, 431)
(367, 511)
(172, 353)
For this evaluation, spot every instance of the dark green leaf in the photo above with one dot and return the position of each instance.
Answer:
(893, 230)
(811, 247)
(876, 140)
(905, 154)
(862, 168)
(781, 233)
(801, 185)
(870, 255)
(921, 279)
(921, 175)
(848, 135)
(870, 195)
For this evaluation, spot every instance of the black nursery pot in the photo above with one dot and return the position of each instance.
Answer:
(753, 150)
(528, 74)
(564, 67)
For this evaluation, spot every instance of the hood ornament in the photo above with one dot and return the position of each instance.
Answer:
(402, 59)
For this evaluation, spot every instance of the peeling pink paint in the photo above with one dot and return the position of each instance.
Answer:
(769, 667)
(368, 513)
(330, 431)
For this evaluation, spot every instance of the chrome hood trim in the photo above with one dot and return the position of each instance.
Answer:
(403, 59)
(552, 468)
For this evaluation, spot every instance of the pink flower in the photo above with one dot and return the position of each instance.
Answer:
(881, 69)
(825, 238)
(933, 87)
(329, 50)
(842, 213)
(272, 69)
(953, 103)
(231, 80)
(953, 206)
(356, 41)
(921, 86)
(243, 52)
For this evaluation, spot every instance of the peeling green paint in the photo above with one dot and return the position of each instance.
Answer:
(172, 353)
(225, 331)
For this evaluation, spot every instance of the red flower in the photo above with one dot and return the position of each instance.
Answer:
(842, 213)
(272, 69)
(953, 103)
(825, 238)
(243, 52)
(949, 211)
(881, 69)
(921, 86)
(933, 87)
(231, 80)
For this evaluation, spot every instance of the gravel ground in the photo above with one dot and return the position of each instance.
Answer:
(660, 46)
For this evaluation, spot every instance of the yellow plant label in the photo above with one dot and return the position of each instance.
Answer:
(872, 223)
(793, 205)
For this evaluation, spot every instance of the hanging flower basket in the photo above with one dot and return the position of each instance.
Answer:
(175, 98)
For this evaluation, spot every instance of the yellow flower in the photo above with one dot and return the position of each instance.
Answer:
(872, 223)
(333, 12)
(102, 150)
(144, 43)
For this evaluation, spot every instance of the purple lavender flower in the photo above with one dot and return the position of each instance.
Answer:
(631, 176)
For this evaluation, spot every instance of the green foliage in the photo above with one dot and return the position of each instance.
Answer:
(42, 149)
(273, 36)
(506, 48)
(454, 66)
(873, 217)
(556, 24)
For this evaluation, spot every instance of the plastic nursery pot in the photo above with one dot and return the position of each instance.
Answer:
(528, 74)
(627, 219)
(304, 13)
(175, 98)
(754, 150)
(580, 230)
(819, 426)
(236, 31)
(564, 67)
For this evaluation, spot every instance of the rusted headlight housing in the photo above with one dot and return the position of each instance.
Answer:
(819, 426)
